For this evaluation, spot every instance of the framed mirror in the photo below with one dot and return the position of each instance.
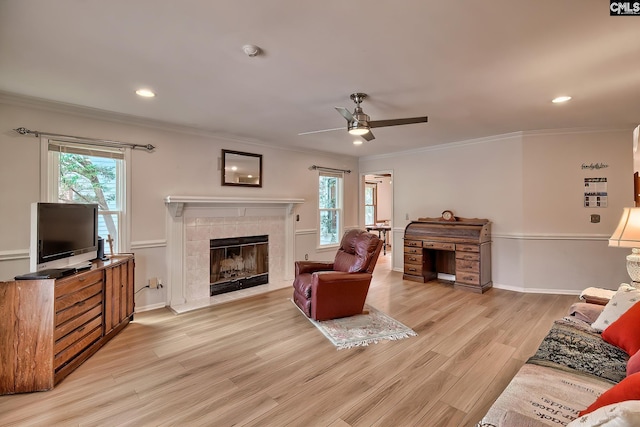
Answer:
(241, 169)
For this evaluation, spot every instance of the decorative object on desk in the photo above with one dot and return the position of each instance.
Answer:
(110, 241)
(627, 235)
(448, 216)
(241, 169)
(360, 330)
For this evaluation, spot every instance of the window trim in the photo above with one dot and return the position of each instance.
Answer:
(49, 169)
(339, 208)
(374, 186)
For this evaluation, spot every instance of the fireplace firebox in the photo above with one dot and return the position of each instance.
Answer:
(238, 263)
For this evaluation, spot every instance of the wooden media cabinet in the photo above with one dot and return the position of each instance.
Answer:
(460, 247)
(50, 327)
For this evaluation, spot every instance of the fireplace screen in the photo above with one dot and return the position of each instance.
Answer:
(238, 263)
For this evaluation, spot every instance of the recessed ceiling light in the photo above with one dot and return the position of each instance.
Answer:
(560, 99)
(357, 142)
(147, 93)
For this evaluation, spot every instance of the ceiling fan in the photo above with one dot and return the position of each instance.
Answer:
(358, 122)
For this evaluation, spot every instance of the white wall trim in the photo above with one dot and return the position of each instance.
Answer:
(308, 231)
(14, 254)
(10, 98)
(148, 244)
(492, 138)
(150, 307)
(550, 236)
(537, 290)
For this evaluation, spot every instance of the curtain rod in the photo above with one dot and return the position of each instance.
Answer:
(80, 139)
(314, 167)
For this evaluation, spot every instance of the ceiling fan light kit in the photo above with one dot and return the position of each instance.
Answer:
(359, 123)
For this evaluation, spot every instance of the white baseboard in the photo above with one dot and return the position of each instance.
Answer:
(150, 307)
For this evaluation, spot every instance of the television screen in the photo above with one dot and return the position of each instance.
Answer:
(65, 230)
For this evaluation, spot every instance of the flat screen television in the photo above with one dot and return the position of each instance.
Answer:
(62, 234)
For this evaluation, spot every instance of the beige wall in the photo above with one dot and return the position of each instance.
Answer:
(530, 185)
(184, 163)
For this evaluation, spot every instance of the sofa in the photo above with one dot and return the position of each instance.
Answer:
(586, 371)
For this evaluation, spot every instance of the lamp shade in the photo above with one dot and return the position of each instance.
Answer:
(627, 234)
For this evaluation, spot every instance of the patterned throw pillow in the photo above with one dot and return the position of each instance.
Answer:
(633, 365)
(623, 414)
(621, 301)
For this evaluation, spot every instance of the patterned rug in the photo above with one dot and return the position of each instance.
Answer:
(362, 329)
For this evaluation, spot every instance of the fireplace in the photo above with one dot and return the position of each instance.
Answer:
(238, 263)
(193, 221)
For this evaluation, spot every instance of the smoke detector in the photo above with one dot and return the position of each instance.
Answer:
(251, 50)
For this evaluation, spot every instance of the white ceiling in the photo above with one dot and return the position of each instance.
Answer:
(475, 68)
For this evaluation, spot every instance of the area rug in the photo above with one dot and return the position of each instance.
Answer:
(362, 329)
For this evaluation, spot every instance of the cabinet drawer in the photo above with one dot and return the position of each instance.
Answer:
(78, 296)
(412, 250)
(74, 283)
(77, 322)
(69, 346)
(439, 246)
(413, 269)
(468, 248)
(469, 278)
(413, 259)
(413, 243)
(78, 309)
(467, 266)
(469, 256)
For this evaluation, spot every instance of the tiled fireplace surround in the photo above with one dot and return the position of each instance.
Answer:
(193, 221)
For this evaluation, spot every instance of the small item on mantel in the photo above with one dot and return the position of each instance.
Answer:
(110, 241)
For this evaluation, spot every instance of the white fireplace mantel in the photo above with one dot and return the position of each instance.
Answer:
(176, 204)
(179, 207)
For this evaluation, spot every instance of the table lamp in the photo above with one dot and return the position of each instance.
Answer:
(627, 235)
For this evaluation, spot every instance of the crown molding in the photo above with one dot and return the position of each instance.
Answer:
(14, 99)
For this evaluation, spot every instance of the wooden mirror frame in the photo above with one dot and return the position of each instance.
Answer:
(249, 169)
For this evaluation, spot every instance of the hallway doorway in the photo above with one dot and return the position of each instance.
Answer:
(377, 206)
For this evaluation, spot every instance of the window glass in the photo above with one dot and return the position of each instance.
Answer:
(330, 208)
(86, 174)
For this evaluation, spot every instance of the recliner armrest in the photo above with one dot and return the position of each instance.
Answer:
(338, 294)
(303, 267)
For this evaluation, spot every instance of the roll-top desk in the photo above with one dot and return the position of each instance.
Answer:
(461, 248)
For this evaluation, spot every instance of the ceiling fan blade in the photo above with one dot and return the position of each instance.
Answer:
(345, 113)
(319, 131)
(369, 136)
(396, 122)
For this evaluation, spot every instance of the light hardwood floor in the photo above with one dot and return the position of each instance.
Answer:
(259, 362)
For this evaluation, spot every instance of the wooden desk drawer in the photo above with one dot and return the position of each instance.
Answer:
(413, 269)
(469, 256)
(467, 266)
(413, 259)
(413, 243)
(469, 278)
(439, 246)
(467, 248)
(413, 250)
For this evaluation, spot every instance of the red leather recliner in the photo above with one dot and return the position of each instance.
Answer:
(328, 290)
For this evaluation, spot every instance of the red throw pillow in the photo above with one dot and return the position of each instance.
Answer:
(624, 333)
(627, 389)
(633, 364)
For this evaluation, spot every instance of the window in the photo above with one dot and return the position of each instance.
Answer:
(330, 208)
(370, 203)
(79, 173)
